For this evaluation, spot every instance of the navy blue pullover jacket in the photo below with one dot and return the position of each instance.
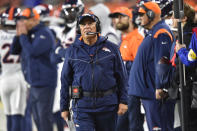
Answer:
(95, 68)
(36, 46)
(146, 74)
(16, 49)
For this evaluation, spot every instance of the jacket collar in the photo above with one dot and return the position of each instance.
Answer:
(155, 27)
(157, 24)
(78, 43)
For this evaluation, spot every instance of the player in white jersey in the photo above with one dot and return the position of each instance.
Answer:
(66, 33)
(12, 83)
(71, 9)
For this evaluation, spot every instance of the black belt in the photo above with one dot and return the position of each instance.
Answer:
(99, 93)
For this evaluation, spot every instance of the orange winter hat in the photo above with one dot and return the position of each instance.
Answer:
(29, 13)
(151, 6)
(122, 11)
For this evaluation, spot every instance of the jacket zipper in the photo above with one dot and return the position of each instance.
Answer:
(94, 88)
(92, 66)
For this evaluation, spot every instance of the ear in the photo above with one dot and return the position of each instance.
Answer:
(184, 19)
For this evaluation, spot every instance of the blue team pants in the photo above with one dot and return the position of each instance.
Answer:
(159, 114)
(42, 103)
(132, 120)
(97, 121)
(27, 119)
(14, 122)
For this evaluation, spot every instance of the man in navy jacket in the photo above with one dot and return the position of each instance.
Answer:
(93, 64)
(149, 72)
(35, 41)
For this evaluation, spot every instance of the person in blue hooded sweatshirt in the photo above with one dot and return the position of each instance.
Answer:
(94, 73)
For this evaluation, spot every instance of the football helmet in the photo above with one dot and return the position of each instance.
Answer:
(9, 16)
(71, 9)
(43, 10)
(166, 8)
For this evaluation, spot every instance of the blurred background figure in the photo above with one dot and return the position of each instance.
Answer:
(65, 36)
(65, 27)
(149, 53)
(190, 72)
(36, 41)
(13, 86)
(66, 31)
(166, 8)
(45, 12)
(195, 19)
(102, 12)
(71, 9)
(130, 41)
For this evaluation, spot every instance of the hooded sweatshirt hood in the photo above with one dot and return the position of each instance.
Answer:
(102, 12)
(79, 42)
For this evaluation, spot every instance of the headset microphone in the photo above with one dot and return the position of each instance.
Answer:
(92, 33)
(95, 33)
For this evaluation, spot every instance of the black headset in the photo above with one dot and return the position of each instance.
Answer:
(149, 13)
(31, 13)
(98, 26)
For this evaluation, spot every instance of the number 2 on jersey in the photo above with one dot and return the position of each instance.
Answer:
(6, 58)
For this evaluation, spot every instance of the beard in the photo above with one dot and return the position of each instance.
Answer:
(122, 26)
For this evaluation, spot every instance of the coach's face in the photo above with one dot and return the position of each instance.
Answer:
(87, 25)
(143, 18)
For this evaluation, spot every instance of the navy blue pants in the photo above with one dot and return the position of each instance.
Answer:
(42, 103)
(99, 121)
(132, 120)
(14, 122)
(159, 114)
(27, 119)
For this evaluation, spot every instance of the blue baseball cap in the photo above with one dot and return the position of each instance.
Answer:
(91, 16)
(72, 2)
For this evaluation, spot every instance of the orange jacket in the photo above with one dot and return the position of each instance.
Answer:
(130, 44)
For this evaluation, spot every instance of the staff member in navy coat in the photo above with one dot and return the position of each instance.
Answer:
(94, 64)
(148, 75)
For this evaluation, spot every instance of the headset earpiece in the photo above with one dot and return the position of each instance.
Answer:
(149, 13)
(31, 13)
(78, 28)
(98, 24)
